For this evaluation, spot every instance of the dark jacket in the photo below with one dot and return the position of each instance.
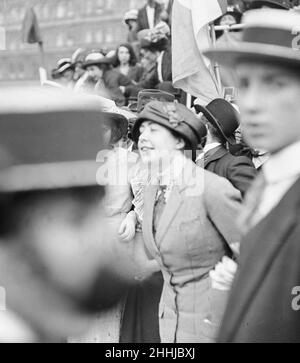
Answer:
(113, 79)
(135, 73)
(262, 303)
(240, 171)
(150, 78)
(143, 22)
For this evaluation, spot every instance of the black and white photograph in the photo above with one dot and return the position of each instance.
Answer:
(149, 174)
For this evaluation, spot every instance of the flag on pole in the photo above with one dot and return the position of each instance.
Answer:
(31, 32)
(192, 72)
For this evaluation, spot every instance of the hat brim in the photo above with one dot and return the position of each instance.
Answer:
(65, 68)
(253, 52)
(211, 118)
(96, 63)
(272, 4)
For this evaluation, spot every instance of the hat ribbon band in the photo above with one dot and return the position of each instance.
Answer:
(272, 36)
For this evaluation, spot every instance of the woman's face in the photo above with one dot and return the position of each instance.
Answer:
(124, 55)
(157, 143)
(95, 73)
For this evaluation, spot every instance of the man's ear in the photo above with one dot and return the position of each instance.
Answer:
(180, 144)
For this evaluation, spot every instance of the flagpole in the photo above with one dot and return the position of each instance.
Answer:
(216, 65)
(42, 68)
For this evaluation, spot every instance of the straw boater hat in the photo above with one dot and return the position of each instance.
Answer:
(269, 35)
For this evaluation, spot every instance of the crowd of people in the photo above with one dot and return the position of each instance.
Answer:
(186, 228)
(143, 62)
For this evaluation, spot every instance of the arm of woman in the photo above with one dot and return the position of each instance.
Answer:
(127, 228)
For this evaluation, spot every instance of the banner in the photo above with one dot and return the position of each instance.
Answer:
(31, 32)
(192, 72)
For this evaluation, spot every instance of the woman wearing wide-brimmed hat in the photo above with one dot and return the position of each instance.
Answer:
(108, 81)
(64, 72)
(188, 222)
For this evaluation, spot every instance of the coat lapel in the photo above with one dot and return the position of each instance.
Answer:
(169, 214)
(262, 245)
(149, 202)
(175, 201)
(214, 155)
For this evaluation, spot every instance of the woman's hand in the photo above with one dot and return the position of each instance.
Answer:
(223, 275)
(127, 228)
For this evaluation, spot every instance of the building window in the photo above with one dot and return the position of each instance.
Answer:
(60, 40)
(61, 10)
(88, 37)
(89, 7)
(46, 12)
(109, 38)
(99, 36)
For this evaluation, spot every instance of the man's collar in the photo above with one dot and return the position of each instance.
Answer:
(283, 165)
(211, 146)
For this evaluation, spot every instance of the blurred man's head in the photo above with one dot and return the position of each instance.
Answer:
(96, 64)
(269, 105)
(267, 63)
(51, 205)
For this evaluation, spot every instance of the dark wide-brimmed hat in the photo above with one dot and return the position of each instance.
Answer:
(49, 139)
(269, 35)
(259, 4)
(95, 59)
(176, 118)
(223, 117)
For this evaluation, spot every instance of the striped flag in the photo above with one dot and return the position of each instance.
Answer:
(192, 72)
(31, 32)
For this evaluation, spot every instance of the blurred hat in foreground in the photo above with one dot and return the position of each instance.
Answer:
(269, 35)
(49, 139)
(175, 117)
(260, 4)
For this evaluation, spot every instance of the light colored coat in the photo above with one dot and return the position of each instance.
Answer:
(195, 231)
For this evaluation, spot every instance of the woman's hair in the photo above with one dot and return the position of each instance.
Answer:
(118, 131)
(132, 59)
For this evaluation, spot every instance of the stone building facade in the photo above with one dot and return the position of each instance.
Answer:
(65, 26)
